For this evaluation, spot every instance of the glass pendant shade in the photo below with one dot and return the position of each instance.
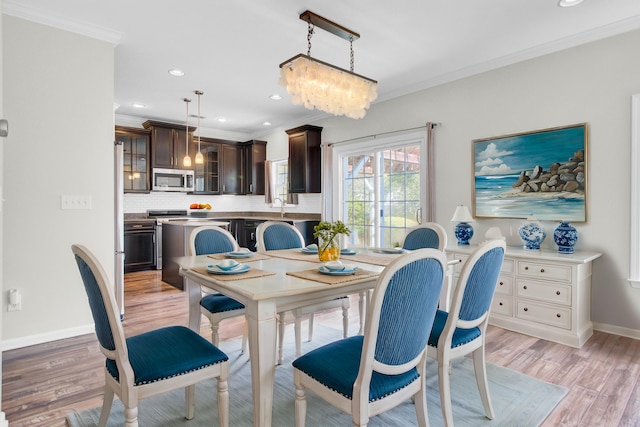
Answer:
(199, 158)
(186, 162)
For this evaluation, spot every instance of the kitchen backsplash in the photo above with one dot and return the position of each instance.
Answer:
(137, 203)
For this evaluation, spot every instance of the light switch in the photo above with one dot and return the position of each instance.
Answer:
(75, 202)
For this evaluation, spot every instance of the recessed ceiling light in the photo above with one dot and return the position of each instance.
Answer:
(275, 97)
(222, 119)
(266, 123)
(138, 105)
(569, 3)
(177, 73)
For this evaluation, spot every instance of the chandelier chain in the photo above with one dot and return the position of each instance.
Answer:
(351, 57)
(309, 35)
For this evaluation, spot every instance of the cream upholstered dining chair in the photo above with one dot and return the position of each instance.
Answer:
(206, 240)
(150, 363)
(461, 331)
(276, 235)
(427, 235)
(366, 375)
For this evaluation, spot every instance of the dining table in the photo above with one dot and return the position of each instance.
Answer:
(276, 281)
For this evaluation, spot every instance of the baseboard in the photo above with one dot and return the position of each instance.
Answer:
(3, 420)
(15, 343)
(617, 330)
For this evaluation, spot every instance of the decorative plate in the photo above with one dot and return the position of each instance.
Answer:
(216, 270)
(347, 252)
(245, 254)
(309, 251)
(346, 272)
(391, 250)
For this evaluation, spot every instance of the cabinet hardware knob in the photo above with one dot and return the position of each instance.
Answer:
(557, 292)
(542, 270)
(526, 309)
(558, 315)
(526, 268)
(501, 283)
(499, 303)
(524, 287)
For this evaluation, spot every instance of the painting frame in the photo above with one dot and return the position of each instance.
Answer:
(541, 174)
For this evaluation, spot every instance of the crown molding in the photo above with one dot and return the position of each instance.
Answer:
(14, 8)
(620, 27)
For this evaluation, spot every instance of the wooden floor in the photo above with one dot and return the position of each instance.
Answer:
(41, 384)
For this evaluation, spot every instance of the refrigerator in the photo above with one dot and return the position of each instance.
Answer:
(119, 226)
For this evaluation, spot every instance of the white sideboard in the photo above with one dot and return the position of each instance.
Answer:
(542, 293)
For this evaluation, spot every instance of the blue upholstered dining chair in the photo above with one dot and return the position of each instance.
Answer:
(367, 375)
(461, 331)
(278, 235)
(153, 362)
(427, 235)
(216, 307)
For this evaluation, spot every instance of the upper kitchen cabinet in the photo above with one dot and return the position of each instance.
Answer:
(169, 144)
(135, 144)
(305, 157)
(222, 171)
(255, 156)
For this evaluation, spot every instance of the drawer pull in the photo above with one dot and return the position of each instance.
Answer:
(542, 270)
(524, 287)
(558, 315)
(557, 292)
(526, 268)
(526, 309)
(501, 283)
(500, 304)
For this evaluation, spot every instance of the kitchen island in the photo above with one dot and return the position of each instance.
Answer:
(175, 243)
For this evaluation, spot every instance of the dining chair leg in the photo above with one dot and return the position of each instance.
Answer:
(420, 401)
(106, 406)
(215, 336)
(301, 403)
(480, 368)
(310, 335)
(281, 326)
(190, 401)
(131, 416)
(445, 391)
(223, 402)
(345, 320)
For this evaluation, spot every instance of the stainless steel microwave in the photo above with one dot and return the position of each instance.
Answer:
(172, 180)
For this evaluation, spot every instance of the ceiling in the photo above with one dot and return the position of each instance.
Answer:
(231, 49)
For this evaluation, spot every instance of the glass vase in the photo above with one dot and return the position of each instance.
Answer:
(331, 252)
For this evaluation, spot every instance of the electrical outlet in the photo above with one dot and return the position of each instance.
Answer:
(75, 202)
(15, 300)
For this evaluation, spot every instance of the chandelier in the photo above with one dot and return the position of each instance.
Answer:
(317, 84)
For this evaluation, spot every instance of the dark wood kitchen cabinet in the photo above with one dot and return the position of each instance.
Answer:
(169, 144)
(222, 171)
(305, 159)
(255, 156)
(135, 161)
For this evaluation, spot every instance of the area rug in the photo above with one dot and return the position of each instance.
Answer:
(518, 400)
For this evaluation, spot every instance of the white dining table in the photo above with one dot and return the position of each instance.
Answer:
(264, 297)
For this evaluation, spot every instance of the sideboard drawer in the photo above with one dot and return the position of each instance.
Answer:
(502, 304)
(545, 271)
(505, 285)
(554, 316)
(548, 292)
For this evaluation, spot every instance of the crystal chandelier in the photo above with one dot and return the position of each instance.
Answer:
(317, 84)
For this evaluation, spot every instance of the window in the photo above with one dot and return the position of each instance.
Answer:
(381, 189)
(279, 176)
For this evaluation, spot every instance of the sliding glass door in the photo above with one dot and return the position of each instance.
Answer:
(381, 189)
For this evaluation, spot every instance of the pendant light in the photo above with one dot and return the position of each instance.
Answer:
(199, 156)
(186, 162)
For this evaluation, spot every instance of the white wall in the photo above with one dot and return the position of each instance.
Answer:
(592, 83)
(58, 97)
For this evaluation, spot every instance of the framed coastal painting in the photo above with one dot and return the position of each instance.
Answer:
(541, 174)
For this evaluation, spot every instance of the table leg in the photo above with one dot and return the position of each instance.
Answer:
(261, 319)
(194, 294)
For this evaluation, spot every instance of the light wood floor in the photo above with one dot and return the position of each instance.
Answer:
(41, 384)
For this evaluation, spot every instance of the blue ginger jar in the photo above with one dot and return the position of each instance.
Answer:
(532, 234)
(565, 235)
